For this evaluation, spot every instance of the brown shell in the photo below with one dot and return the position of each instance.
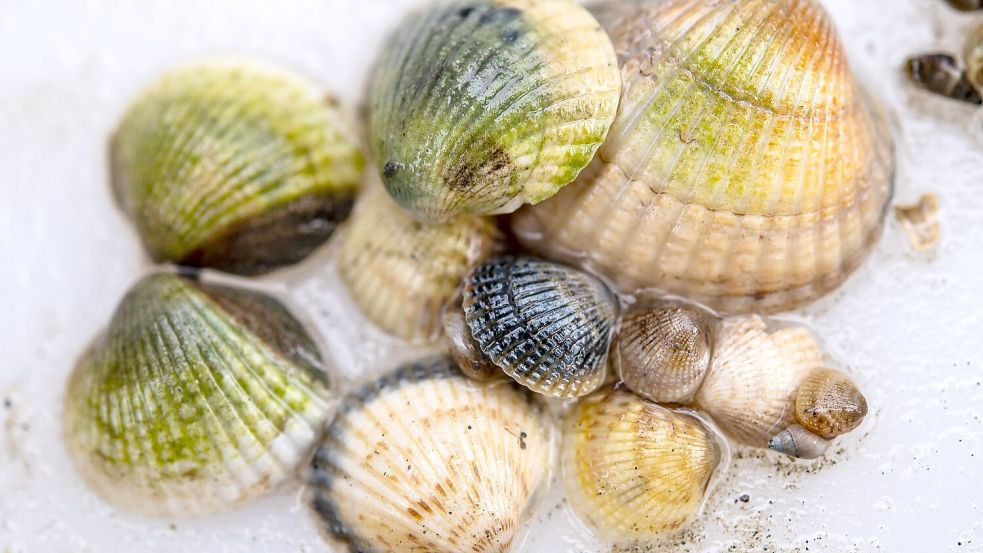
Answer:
(829, 404)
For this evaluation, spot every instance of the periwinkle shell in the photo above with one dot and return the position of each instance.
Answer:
(425, 460)
(798, 442)
(829, 404)
(479, 106)
(235, 166)
(633, 469)
(746, 169)
(197, 398)
(546, 325)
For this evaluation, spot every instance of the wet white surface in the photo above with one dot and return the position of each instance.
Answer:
(908, 325)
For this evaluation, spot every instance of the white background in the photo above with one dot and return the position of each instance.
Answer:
(908, 325)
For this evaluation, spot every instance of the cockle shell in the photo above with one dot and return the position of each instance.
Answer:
(798, 442)
(746, 169)
(426, 460)
(829, 404)
(662, 351)
(479, 106)
(198, 397)
(234, 165)
(750, 387)
(941, 74)
(632, 468)
(546, 325)
(401, 272)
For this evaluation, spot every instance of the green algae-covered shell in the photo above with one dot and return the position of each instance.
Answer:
(234, 165)
(197, 397)
(402, 272)
(479, 106)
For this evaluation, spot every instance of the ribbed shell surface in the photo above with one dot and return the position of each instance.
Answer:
(401, 272)
(633, 469)
(234, 165)
(479, 106)
(750, 387)
(746, 169)
(187, 406)
(546, 325)
(829, 404)
(426, 460)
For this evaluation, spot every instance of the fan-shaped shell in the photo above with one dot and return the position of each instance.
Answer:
(796, 441)
(546, 325)
(402, 272)
(662, 351)
(195, 399)
(750, 388)
(746, 169)
(829, 404)
(235, 166)
(427, 460)
(479, 106)
(633, 469)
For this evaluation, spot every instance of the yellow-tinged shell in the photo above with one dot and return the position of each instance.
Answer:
(234, 165)
(632, 468)
(197, 398)
(662, 351)
(746, 169)
(401, 272)
(750, 388)
(480, 106)
(829, 404)
(426, 460)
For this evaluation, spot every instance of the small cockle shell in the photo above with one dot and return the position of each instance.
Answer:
(632, 468)
(479, 106)
(746, 168)
(921, 222)
(941, 74)
(426, 460)
(198, 397)
(750, 388)
(829, 404)
(401, 272)
(662, 351)
(796, 441)
(235, 166)
(546, 325)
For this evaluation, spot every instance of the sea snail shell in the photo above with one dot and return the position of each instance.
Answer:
(746, 168)
(546, 325)
(829, 404)
(426, 460)
(401, 272)
(479, 106)
(197, 398)
(632, 468)
(235, 166)
(798, 442)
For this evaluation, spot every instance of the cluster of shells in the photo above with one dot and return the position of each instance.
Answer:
(669, 171)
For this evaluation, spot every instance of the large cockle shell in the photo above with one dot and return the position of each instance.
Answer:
(746, 169)
(235, 166)
(197, 398)
(632, 468)
(479, 106)
(426, 460)
(546, 325)
(662, 351)
(750, 388)
(402, 272)
(829, 404)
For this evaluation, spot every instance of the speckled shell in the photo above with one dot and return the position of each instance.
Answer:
(750, 388)
(426, 460)
(479, 106)
(662, 351)
(546, 325)
(798, 442)
(197, 398)
(746, 169)
(402, 272)
(235, 166)
(829, 404)
(633, 469)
